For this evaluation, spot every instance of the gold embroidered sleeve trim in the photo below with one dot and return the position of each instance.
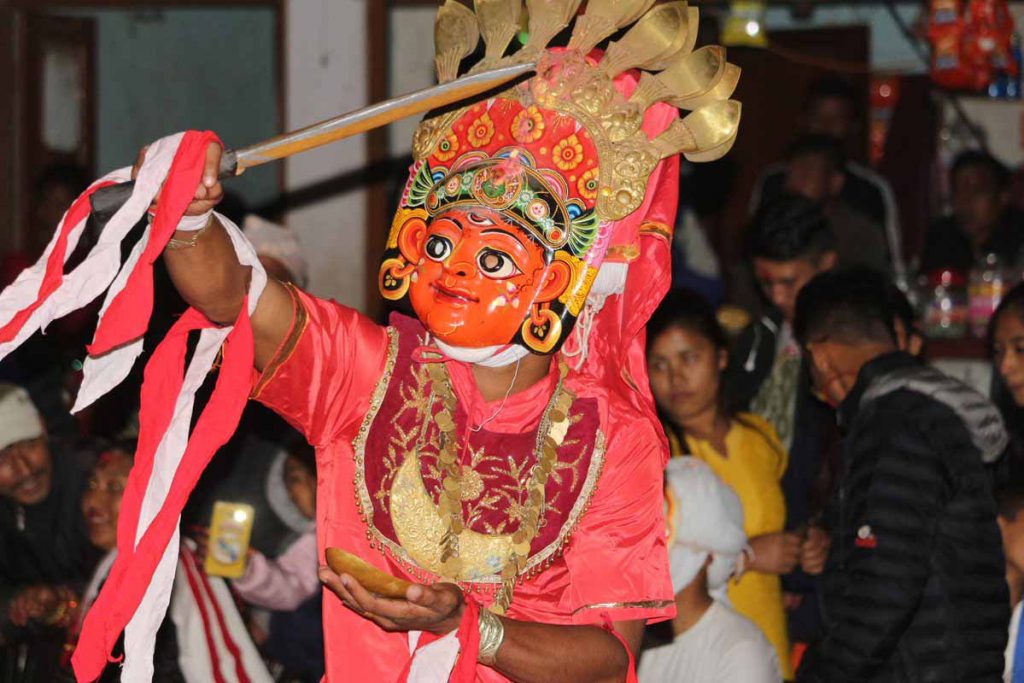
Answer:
(641, 604)
(300, 319)
(626, 252)
(363, 501)
(659, 229)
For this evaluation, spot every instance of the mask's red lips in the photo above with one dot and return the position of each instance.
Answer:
(460, 295)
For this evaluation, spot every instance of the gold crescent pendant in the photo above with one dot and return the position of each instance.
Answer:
(420, 530)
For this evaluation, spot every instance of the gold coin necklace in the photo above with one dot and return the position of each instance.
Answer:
(553, 427)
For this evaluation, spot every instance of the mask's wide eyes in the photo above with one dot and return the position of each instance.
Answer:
(438, 248)
(496, 264)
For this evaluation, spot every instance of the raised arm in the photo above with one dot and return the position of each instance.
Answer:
(210, 278)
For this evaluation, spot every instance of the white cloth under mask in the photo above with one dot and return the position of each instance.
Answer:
(487, 356)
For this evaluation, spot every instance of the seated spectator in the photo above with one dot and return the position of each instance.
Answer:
(914, 586)
(1006, 341)
(833, 108)
(686, 355)
(45, 555)
(814, 170)
(190, 646)
(288, 584)
(982, 220)
(1010, 501)
(712, 643)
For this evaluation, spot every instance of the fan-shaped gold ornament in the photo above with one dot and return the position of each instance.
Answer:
(456, 34)
(687, 77)
(547, 19)
(722, 90)
(651, 42)
(602, 19)
(660, 43)
(499, 23)
(705, 131)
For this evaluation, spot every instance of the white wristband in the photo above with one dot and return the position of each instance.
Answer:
(193, 223)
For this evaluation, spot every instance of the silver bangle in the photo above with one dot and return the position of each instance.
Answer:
(492, 633)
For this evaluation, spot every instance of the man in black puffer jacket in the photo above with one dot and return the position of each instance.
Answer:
(914, 586)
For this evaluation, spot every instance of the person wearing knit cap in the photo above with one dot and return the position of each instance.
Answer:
(706, 543)
(25, 463)
(45, 554)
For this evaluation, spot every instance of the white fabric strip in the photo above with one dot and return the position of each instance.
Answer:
(140, 633)
(251, 661)
(434, 662)
(193, 653)
(99, 575)
(193, 223)
(96, 272)
(488, 356)
(102, 374)
(195, 658)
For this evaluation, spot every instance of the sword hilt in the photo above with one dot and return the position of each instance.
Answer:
(107, 201)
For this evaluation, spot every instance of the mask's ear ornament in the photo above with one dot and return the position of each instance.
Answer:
(542, 329)
(409, 230)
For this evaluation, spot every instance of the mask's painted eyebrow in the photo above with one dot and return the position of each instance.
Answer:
(458, 224)
(482, 219)
(498, 231)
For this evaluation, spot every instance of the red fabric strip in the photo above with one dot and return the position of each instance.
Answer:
(469, 644)
(197, 594)
(128, 315)
(610, 627)
(468, 635)
(54, 273)
(204, 582)
(130, 576)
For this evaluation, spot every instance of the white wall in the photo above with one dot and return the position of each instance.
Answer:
(326, 75)
(165, 70)
(411, 64)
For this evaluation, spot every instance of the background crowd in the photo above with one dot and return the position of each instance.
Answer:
(838, 510)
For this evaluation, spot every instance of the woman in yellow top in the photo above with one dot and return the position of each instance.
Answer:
(686, 354)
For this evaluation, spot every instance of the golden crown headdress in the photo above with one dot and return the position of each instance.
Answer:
(659, 41)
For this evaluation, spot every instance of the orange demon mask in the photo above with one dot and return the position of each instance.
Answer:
(511, 203)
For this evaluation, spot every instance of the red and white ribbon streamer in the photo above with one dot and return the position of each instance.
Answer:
(169, 460)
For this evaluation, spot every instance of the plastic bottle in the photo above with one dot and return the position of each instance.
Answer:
(988, 284)
(945, 311)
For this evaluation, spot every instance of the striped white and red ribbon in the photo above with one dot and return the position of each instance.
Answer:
(169, 459)
(213, 642)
